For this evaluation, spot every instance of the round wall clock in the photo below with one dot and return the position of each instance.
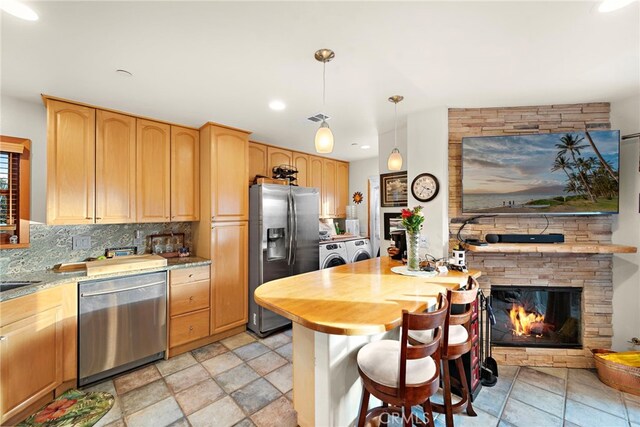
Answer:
(425, 187)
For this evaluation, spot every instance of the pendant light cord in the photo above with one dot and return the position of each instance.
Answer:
(395, 130)
(324, 87)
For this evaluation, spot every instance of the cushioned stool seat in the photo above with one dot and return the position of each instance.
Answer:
(380, 361)
(457, 335)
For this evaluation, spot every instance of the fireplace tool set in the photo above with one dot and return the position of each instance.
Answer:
(488, 365)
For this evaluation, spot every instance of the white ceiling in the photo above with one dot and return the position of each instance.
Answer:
(224, 61)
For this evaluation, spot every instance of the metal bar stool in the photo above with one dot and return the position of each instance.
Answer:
(401, 375)
(456, 341)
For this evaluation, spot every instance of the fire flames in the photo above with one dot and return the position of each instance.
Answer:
(524, 323)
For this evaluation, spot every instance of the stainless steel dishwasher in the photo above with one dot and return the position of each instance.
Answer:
(122, 324)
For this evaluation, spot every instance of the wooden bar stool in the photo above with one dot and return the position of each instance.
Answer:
(401, 375)
(456, 341)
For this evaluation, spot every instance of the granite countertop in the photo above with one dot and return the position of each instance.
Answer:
(48, 278)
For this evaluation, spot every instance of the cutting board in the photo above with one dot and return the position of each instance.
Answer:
(125, 263)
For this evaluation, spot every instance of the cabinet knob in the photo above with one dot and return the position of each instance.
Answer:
(190, 328)
(191, 275)
(98, 217)
(3, 338)
(88, 217)
(191, 298)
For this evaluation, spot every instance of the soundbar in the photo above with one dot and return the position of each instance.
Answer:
(525, 238)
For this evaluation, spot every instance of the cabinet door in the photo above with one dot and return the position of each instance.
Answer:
(277, 157)
(229, 280)
(153, 171)
(257, 161)
(328, 188)
(115, 168)
(32, 363)
(71, 144)
(185, 174)
(315, 179)
(229, 171)
(301, 162)
(342, 189)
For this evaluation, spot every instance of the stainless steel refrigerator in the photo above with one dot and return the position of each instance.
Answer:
(283, 241)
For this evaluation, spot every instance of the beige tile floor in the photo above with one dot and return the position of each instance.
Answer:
(246, 381)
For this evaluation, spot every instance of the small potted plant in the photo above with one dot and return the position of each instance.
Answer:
(412, 220)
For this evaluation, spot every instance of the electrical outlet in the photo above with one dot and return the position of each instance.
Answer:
(424, 242)
(80, 242)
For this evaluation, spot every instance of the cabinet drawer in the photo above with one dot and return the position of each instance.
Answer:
(188, 327)
(185, 275)
(188, 297)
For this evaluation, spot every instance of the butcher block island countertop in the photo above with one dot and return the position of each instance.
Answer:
(362, 298)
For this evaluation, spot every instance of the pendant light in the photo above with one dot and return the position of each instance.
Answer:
(324, 136)
(394, 163)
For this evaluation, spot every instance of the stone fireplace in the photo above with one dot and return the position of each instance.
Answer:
(589, 274)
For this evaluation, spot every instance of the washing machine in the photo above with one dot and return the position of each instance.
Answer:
(358, 250)
(332, 254)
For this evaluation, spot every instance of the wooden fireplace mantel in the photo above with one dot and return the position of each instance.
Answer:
(560, 248)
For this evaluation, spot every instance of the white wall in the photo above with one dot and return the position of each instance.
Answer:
(359, 173)
(428, 151)
(29, 120)
(625, 115)
(385, 145)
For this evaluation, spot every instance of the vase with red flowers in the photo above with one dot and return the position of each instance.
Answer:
(412, 220)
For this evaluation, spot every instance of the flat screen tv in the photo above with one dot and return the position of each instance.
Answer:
(568, 173)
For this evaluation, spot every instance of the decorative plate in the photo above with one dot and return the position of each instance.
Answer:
(402, 269)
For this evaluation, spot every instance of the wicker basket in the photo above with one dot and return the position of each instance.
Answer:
(621, 377)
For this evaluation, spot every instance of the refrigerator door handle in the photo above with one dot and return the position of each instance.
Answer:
(294, 235)
(290, 221)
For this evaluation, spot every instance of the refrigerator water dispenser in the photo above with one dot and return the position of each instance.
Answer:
(276, 249)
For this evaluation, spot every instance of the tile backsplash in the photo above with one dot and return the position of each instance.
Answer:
(51, 244)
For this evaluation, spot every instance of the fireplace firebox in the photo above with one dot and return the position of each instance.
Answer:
(537, 316)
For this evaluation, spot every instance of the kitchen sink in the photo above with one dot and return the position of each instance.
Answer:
(8, 285)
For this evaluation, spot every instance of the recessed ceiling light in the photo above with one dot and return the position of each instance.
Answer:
(18, 9)
(124, 73)
(365, 147)
(611, 5)
(277, 105)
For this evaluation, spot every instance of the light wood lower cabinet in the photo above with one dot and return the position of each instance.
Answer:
(189, 327)
(37, 349)
(229, 275)
(189, 301)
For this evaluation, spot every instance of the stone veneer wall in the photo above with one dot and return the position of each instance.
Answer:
(591, 272)
(51, 244)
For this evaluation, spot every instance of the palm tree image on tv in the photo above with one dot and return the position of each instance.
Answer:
(572, 172)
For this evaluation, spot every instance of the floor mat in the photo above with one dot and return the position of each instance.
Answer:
(74, 408)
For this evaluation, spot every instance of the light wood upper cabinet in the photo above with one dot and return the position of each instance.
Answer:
(229, 275)
(224, 158)
(37, 349)
(185, 174)
(71, 133)
(153, 159)
(315, 178)
(301, 162)
(328, 188)
(277, 157)
(342, 189)
(115, 168)
(257, 161)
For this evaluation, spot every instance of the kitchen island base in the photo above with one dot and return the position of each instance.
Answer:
(326, 385)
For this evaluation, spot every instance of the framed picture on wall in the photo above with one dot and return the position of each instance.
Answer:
(394, 189)
(392, 222)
